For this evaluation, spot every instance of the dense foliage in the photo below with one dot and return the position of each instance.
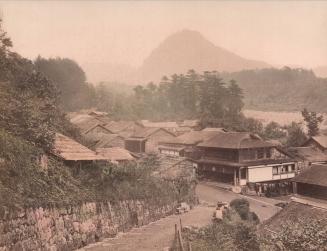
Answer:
(70, 80)
(312, 120)
(236, 231)
(283, 89)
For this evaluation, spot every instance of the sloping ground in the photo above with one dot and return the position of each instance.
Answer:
(293, 212)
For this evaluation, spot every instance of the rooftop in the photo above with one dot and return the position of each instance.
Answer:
(321, 140)
(115, 153)
(235, 140)
(308, 153)
(315, 175)
(68, 149)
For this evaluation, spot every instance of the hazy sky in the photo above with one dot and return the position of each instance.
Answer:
(277, 32)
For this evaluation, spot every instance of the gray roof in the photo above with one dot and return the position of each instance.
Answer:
(321, 140)
(236, 140)
(193, 137)
(315, 175)
(308, 153)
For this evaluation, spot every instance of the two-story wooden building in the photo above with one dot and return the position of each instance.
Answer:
(245, 160)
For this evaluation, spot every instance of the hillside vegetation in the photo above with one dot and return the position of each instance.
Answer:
(283, 89)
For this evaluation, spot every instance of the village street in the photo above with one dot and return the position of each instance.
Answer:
(158, 235)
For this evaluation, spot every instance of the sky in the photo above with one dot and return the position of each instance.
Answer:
(125, 32)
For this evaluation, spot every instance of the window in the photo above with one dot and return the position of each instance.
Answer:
(293, 167)
(275, 170)
(248, 154)
(285, 169)
(261, 153)
(268, 153)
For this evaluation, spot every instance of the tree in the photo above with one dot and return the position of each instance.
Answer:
(70, 80)
(274, 131)
(312, 120)
(296, 135)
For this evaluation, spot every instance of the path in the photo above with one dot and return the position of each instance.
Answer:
(158, 235)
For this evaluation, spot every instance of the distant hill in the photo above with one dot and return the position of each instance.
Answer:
(321, 71)
(188, 49)
(283, 89)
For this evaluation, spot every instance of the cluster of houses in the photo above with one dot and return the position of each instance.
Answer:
(241, 159)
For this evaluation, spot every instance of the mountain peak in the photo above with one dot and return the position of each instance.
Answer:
(189, 49)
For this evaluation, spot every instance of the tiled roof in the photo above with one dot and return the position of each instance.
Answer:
(235, 140)
(308, 153)
(115, 153)
(315, 175)
(193, 137)
(321, 140)
(147, 132)
(68, 149)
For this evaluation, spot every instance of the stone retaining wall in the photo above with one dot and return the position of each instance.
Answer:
(73, 227)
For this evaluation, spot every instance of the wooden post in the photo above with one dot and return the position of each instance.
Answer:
(180, 223)
(180, 240)
(234, 177)
(189, 246)
(176, 231)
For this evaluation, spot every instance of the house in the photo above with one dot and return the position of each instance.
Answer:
(319, 142)
(194, 124)
(184, 145)
(84, 122)
(170, 126)
(312, 182)
(96, 128)
(308, 155)
(245, 160)
(104, 140)
(147, 140)
(115, 154)
(73, 152)
(124, 128)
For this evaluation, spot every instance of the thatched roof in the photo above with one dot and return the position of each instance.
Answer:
(235, 140)
(315, 175)
(115, 154)
(94, 126)
(308, 153)
(68, 149)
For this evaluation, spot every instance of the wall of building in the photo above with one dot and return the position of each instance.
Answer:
(153, 140)
(70, 228)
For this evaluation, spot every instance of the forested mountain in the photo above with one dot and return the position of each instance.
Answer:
(188, 49)
(283, 89)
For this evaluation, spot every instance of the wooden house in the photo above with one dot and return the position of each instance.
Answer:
(244, 159)
(185, 145)
(72, 152)
(307, 156)
(103, 140)
(319, 142)
(116, 155)
(312, 182)
(124, 128)
(96, 128)
(146, 140)
(170, 126)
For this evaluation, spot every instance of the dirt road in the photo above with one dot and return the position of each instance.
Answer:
(158, 235)
(155, 236)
